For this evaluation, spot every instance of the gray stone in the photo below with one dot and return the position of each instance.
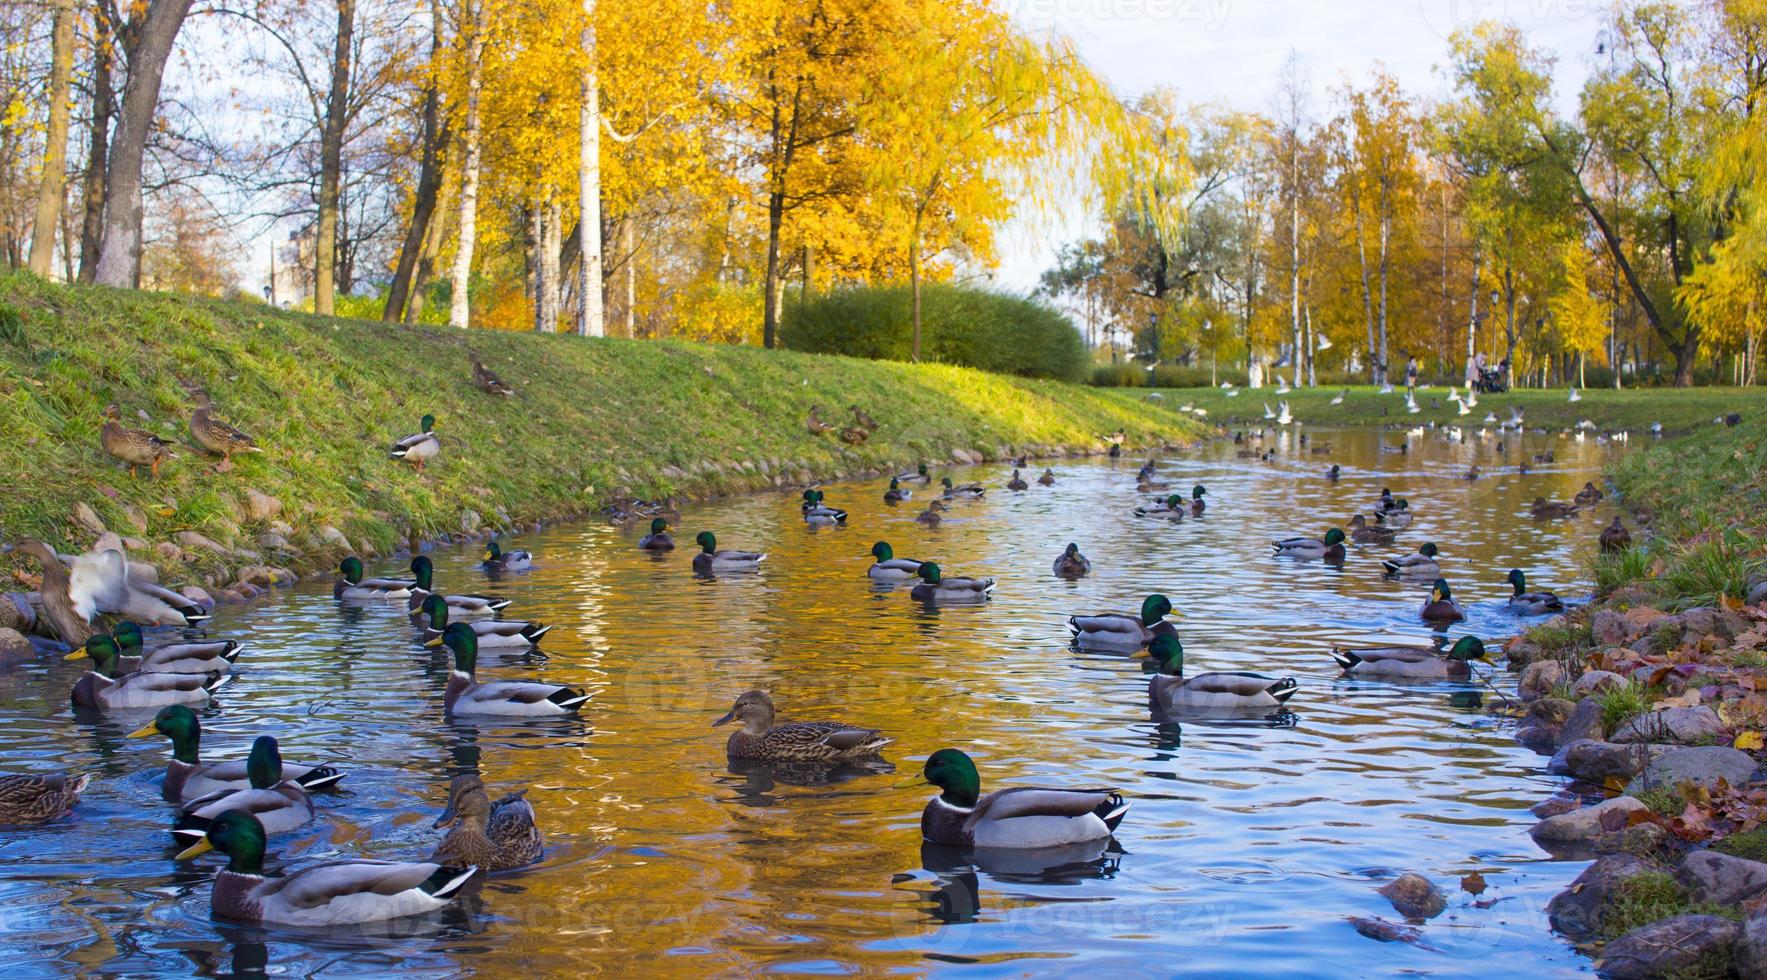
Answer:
(1578, 910)
(1702, 765)
(1585, 823)
(1751, 948)
(1610, 627)
(1642, 839)
(1667, 948)
(261, 506)
(13, 646)
(1540, 678)
(1712, 876)
(1520, 652)
(470, 520)
(332, 536)
(1584, 722)
(1596, 681)
(1414, 897)
(88, 518)
(198, 542)
(1698, 725)
(1707, 621)
(1597, 762)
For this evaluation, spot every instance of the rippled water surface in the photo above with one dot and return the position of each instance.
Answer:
(1246, 848)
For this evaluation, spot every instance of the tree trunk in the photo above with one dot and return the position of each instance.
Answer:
(1294, 253)
(331, 153)
(439, 227)
(119, 253)
(459, 309)
(429, 179)
(1386, 264)
(630, 261)
(770, 307)
(590, 311)
(53, 185)
(98, 144)
(546, 283)
(1367, 291)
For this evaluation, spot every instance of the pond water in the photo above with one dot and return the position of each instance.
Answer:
(1246, 849)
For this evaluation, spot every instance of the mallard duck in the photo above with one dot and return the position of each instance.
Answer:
(1544, 509)
(100, 581)
(1362, 533)
(1071, 564)
(798, 741)
(917, 475)
(1588, 495)
(895, 494)
(855, 436)
(1420, 565)
(658, 539)
(1123, 631)
(351, 584)
(137, 447)
(1472, 473)
(1330, 547)
(420, 448)
(1413, 662)
(1017, 482)
(330, 893)
(33, 798)
(173, 658)
(215, 435)
(460, 606)
(935, 588)
(1023, 818)
(189, 778)
(71, 621)
(485, 380)
(1441, 607)
(710, 559)
(1145, 485)
(971, 490)
(1332, 474)
(499, 633)
(1197, 506)
(1171, 509)
(818, 513)
(889, 568)
(931, 514)
(279, 804)
(101, 688)
(814, 422)
(1615, 537)
(466, 696)
(1386, 501)
(1531, 603)
(494, 836)
(514, 560)
(861, 419)
(1545, 457)
(1214, 691)
(1398, 518)
(1047, 479)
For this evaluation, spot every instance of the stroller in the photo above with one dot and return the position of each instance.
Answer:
(1490, 381)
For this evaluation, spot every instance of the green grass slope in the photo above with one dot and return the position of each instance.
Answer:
(593, 420)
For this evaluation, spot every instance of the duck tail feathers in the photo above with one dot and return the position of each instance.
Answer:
(568, 698)
(1283, 689)
(446, 881)
(320, 777)
(1112, 810)
(1345, 658)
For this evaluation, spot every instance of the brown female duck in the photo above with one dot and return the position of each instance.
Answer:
(494, 836)
(799, 741)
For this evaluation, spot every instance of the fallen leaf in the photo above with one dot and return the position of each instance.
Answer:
(1750, 742)
(1472, 883)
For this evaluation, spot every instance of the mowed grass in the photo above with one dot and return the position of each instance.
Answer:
(593, 421)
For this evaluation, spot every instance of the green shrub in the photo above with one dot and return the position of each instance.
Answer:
(977, 328)
(1621, 704)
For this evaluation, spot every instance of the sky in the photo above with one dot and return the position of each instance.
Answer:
(1231, 52)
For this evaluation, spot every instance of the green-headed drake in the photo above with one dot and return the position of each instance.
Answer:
(1124, 631)
(971, 490)
(280, 804)
(502, 634)
(917, 475)
(658, 539)
(1330, 547)
(513, 560)
(351, 584)
(1026, 818)
(1398, 518)
(101, 688)
(1411, 662)
(189, 778)
(935, 588)
(889, 568)
(1171, 508)
(710, 559)
(420, 448)
(1531, 603)
(461, 606)
(1441, 607)
(800, 741)
(1071, 564)
(1216, 691)
(1196, 500)
(816, 512)
(173, 658)
(466, 696)
(895, 494)
(1422, 564)
(493, 836)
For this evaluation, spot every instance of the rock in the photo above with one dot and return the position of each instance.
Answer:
(1414, 897)
(1751, 947)
(1707, 621)
(1550, 711)
(272, 541)
(199, 596)
(1667, 948)
(1585, 823)
(1712, 876)
(1584, 723)
(1540, 678)
(1577, 911)
(1698, 725)
(1597, 762)
(257, 575)
(283, 528)
(1552, 806)
(13, 646)
(1641, 839)
(1594, 682)
(261, 507)
(1610, 628)
(960, 457)
(329, 535)
(134, 544)
(197, 542)
(169, 551)
(1521, 652)
(470, 520)
(87, 518)
(1703, 765)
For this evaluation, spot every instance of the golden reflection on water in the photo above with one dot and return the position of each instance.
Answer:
(665, 859)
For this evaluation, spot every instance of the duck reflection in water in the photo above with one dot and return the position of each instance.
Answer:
(760, 777)
(955, 894)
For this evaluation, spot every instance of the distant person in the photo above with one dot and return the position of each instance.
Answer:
(1475, 369)
(1410, 374)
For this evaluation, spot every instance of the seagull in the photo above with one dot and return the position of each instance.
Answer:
(1574, 396)
(1490, 418)
(1472, 397)
(1465, 408)
(1231, 391)
(1202, 413)
(1282, 387)
(1411, 404)
(1656, 429)
(1339, 400)
(1226, 385)
(1285, 418)
(1386, 389)
(1267, 412)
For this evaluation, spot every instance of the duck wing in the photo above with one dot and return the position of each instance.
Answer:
(1038, 801)
(368, 882)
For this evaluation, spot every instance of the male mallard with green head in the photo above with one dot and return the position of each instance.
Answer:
(710, 560)
(818, 513)
(351, 584)
(658, 539)
(101, 688)
(895, 494)
(1215, 691)
(279, 804)
(215, 435)
(889, 568)
(935, 588)
(466, 696)
(1024, 818)
(1441, 607)
(1411, 662)
(137, 447)
(1171, 509)
(330, 893)
(917, 475)
(460, 606)
(420, 448)
(1123, 631)
(513, 560)
(1197, 506)
(189, 778)
(493, 836)
(1071, 564)
(1397, 518)
(1531, 603)
(502, 634)
(970, 490)
(173, 658)
(800, 741)
(1330, 547)
(1420, 565)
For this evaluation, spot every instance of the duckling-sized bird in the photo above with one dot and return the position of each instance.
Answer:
(917, 475)
(493, 836)
(889, 568)
(895, 494)
(1172, 509)
(189, 778)
(1441, 607)
(1362, 532)
(658, 539)
(1196, 500)
(351, 584)
(710, 559)
(931, 514)
(1543, 509)
(1615, 537)
(1047, 479)
(279, 804)
(174, 658)
(460, 606)
(1411, 662)
(1330, 547)
(800, 741)
(70, 621)
(1017, 482)
(1215, 691)
(1071, 564)
(215, 435)
(502, 634)
(1123, 631)
(1531, 603)
(1422, 564)
(137, 447)
(971, 490)
(34, 798)
(101, 688)
(1588, 496)
(420, 448)
(485, 380)
(818, 513)
(466, 696)
(935, 588)
(100, 582)
(330, 893)
(513, 560)
(1023, 818)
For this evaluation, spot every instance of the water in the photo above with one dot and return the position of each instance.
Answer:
(1246, 849)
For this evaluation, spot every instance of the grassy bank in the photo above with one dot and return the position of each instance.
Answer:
(1679, 410)
(593, 421)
